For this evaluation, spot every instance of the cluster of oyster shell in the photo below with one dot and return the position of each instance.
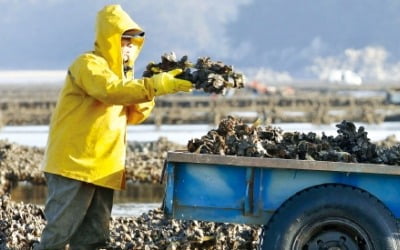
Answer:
(153, 231)
(144, 162)
(19, 163)
(212, 77)
(20, 224)
(233, 137)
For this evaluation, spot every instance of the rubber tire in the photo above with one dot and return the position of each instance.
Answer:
(331, 201)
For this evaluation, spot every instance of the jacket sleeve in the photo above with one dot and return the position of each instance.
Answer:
(96, 79)
(137, 113)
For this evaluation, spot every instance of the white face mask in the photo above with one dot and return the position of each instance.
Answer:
(128, 50)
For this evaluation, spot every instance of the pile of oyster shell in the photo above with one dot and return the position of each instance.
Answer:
(212, 77)
(351, 144)
(21, 226)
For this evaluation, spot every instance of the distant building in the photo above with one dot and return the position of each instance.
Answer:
(345, 76)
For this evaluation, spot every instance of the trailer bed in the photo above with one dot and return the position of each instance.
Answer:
(248, 190)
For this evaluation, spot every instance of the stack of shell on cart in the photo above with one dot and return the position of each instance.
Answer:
(210, 76)
(351, 144)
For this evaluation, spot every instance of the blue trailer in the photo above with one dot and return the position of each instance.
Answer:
(301, 204)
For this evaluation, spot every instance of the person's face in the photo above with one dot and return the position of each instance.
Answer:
(128, 49)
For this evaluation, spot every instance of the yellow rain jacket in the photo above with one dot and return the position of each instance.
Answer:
(87, 138)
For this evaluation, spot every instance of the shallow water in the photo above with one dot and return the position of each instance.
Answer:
(37, 135)
(135, 200)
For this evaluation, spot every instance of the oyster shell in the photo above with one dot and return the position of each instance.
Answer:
(212, 77)
(351, 144)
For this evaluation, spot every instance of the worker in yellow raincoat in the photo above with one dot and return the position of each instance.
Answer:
(85, 154)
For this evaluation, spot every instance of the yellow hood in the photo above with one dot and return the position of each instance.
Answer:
(112, 21)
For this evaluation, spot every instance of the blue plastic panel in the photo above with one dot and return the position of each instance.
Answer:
(218, 192)
(209, 186)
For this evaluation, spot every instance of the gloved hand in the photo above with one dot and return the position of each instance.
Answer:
(166, 83)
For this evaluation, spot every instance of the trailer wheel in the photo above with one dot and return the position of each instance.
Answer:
(331, 217)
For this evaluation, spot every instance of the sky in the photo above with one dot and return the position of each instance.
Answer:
(277, 40)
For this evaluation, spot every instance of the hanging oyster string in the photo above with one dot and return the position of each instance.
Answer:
(212, 77)
(233, 137)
